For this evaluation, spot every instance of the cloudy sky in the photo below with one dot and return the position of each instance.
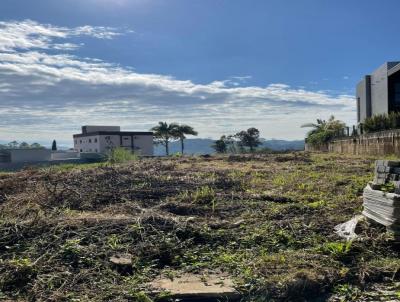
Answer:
(219, 65)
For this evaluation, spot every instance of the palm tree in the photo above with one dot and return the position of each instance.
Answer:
(324, 130)
(164, 133)
(181, 131)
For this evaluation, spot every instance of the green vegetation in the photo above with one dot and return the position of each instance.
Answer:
(23, 145)
(265, 219)
(380, 122)
(323, 131)
(54, 145)
(121, 155)
(242, 142)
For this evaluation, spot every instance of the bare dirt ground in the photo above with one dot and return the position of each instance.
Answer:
(266, 221)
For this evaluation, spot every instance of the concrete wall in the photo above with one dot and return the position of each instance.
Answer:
(363, 94)
(62, 155)
(378, 143)
(379, 90)
(87, 144)
(142, 144)
(27, 155)
(320, 148)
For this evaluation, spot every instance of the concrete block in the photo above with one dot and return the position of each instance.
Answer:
(380, 169)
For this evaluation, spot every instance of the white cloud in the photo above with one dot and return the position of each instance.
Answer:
(47, 94)
(28, 34)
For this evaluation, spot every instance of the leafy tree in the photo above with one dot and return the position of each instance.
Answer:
(24, 145)
(220, 145)
(249, 138)
(37, 146)
(180, 131)
(164, 133)
(13, 145)
(54, 145)
(323, 131)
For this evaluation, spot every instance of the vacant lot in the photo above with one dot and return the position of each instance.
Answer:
(266, 220)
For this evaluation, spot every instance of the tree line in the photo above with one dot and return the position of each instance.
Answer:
(22, 145)
(243, 141)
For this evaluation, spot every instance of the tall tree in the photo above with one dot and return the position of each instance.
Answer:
(181, 131)
(221, 145)
(249, 138)
(54, 145)
(164, 133)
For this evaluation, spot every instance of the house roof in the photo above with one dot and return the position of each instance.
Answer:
(120, 133)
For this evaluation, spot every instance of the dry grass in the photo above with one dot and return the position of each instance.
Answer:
(267, 220)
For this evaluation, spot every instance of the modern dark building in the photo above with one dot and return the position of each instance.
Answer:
(379, 92)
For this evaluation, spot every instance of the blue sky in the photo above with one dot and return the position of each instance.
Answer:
(221, 65)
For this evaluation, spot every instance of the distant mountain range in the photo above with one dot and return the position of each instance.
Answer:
(203, 146)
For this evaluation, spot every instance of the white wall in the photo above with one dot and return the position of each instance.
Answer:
(143, 144)
(108, 142)
(87, 144)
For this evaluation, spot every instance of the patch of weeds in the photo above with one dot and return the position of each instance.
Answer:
(113, 242)
(16, 274)
(142, 297)
(388, 187)
(73, 253)
(121, 155)
(347, 292)
(337, 249)
(317, 204)
(205, 195)
(280, 181)
(283, 237)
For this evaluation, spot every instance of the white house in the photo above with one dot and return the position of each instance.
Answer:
(102, 139)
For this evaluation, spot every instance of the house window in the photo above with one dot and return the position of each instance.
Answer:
(80, 150)
(397, 93)
(97, 151)
(76, 142)
(90, 140)
(126, 138)
(95, 140)
(80, 141)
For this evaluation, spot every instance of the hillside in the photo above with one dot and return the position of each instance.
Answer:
(203, 146)
(266, 221)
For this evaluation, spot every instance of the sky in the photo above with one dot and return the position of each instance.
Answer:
(218, 65)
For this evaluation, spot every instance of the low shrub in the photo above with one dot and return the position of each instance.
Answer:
(380, 122)
(121, 155)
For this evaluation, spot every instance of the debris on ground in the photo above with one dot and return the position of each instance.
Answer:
(196, 287)
(347, 230)
(381, 196)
